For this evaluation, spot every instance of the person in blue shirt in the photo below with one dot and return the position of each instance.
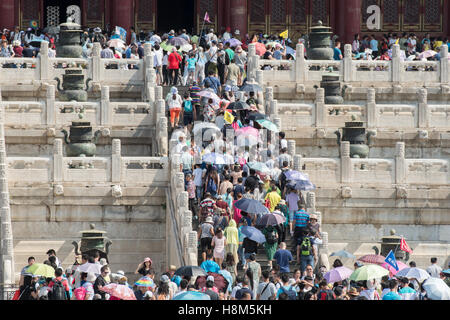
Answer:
(337, 51)
(209, 265)
(392, 295)
(212, 82)
(174, 278)
(283, 257)
(374, 46)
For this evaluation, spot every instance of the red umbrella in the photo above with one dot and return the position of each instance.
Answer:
(219, 282)
(373, 258)
(260, 48)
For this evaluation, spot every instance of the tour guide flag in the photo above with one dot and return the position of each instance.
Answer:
(404, 246)
(285, 34)
(390, 259)
(229, 118)
(207, 17)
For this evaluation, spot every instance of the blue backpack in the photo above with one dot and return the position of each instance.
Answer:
(291, 293)
(212, 187)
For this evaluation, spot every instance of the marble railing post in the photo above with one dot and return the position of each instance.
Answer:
(444, 64)
(105, 105)
(300, 64)
(149, 74)
(273, 111)
(423, 115)
(268, 99)
(396, 63)
(320, 108)
(297, 162)
(311, 202)
(50, 105)
(162, 136)
(253, 63)
(371, 106)
(346, 162)
(277, 122)
(260, 95)
(7, 274)
(291, 150)
(44, 61)
(400, 163)
(57, 160)
(116, 161)
(348, 64)
(96, 63)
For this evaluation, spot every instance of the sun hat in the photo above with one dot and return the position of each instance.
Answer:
(103, 262)
(172, 267)
(209, 220)
(210, 278)
(97, 29)
(237, 32)
(148, 260)
(227, 88)
(174, 90)
(91, 277)
(121, 272)
(353, 292)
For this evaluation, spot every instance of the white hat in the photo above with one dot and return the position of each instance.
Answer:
(120, 272)
(210, 278)
(97, 29)
(103, 262)
(237, 32)
(209, 220)
(174, 90)
(91, 277)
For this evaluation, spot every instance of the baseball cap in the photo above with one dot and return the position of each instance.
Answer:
(210, 278)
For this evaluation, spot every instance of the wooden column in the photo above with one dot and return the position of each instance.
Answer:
(238, 19)
(7, 14)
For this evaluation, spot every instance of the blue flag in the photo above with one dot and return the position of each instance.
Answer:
(390, 259)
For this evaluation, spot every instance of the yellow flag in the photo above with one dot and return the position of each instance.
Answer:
(285, 34)
(397, 42)
(228, 117)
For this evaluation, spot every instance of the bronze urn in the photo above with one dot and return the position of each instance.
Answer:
(320, 43)
(355, 133)
(93, 241)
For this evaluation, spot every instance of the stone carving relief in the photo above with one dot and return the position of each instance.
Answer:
(58, 190)
(346, 192)
(116, 191)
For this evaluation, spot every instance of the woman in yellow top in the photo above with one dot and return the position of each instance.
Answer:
(232, 234)
(274, 199)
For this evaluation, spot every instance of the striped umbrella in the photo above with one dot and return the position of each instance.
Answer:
(145, 282)
(373, 258)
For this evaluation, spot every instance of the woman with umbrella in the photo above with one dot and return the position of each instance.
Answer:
(271, 244)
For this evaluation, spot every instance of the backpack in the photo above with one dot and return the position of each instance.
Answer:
(291, 293)
(271, 238)
(306, 247)
(212, 187)
(326, 295)
(80, 293)
(58, 291)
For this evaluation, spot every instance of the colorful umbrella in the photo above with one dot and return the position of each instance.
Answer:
(269, 125)
(40, 269)
(338, 274)
(253, 234)
(373, 258)
(219, 281)
(190, 271)
(260, 48)
(90, 268)
(436, 289)
(343, 254)
(413, 273)
(270, 219)
(391, 269)
(145, 282)
(368, 272)
(251, 206)
(259, 167)
(119, 291)
(192, 296)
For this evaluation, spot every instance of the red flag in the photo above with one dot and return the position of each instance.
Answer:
(404, 246)
(207, 17)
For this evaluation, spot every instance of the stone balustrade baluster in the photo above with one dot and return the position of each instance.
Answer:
(50, 105)
(348, 63)
(346, 162)
(400, 163)
(320, 108)
(106, 109)
(372, 114)
(44, 62)
(424, 113)
(57, 160)
(396, 69)
(96, 63)
(116, 161)
(444, 64)
(300, 64)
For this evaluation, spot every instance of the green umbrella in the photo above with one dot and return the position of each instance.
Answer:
(368, 272)
(40, 269)
(166, 47)
(260, 167)
(269, 125)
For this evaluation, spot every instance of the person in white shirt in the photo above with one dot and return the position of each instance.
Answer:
(158, 63)
(434, 270)
(227, 35)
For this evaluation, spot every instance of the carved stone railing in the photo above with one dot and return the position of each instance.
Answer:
(304, 72)
(420, 115)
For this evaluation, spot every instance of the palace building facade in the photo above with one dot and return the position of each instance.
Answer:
(347, 17)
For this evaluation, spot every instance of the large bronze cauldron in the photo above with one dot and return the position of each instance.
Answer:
(69, 44)
(81, 142)
(392, 242)
(332, 85)
(93, 241)
(355, 133)
(320, 43)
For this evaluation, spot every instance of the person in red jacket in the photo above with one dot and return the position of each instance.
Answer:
(174, 66)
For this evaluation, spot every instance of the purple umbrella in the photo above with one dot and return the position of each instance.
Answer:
(234, 42)
(177, 41)
(338, 274)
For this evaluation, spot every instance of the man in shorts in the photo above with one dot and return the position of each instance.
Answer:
(206, 233)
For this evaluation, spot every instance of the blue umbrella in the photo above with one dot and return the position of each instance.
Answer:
(251, 206)
(342, 254)
(295, 175)
(192, 295)
(253, 234)
(302, 185)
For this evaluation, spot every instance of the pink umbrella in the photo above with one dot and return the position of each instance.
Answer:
(338, 274)
(391, 269)
(247, 131)
(119, 291)
(260, 48)
(427, 54)
(373, 258)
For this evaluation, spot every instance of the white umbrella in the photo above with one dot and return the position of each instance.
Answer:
(90, 268)
(413, 273)
(117, 43)
(437, 289)
(214, 158)
(205, 126)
